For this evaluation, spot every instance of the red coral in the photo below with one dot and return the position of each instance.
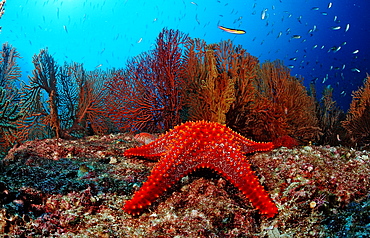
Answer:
(148, 94)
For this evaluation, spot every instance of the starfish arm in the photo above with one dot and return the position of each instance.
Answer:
(236, 169)
(163, 176)
(153, 149)
(145, 151)
(160, 146)
(246, 147)
(249, 146)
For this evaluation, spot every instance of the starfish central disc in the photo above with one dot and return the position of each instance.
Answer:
(201, 144)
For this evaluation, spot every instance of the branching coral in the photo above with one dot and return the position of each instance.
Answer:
(75, 99)
(224, 83)
(357, 122)
(10, 109)
(148, 94)
(44, 78)
(285, 108)
(81, 100)
(9, 70)
(209, 87)
(90, 108)
(8, 112)
(329, 115)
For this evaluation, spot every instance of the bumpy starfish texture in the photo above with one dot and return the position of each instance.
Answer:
(195, 145)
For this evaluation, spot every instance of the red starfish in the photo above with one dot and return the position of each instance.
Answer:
(200, 144)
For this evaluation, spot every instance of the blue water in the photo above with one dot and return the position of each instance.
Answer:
(105, 34)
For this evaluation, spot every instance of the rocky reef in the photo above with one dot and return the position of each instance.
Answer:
(56, 187)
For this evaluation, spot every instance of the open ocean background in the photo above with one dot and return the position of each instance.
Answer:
(325, 42)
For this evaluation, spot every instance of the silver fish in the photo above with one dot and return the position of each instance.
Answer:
(335, 28)
(264, 14)
(347, 28)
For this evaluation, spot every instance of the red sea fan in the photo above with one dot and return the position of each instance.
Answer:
(148, 96)
(357, 123)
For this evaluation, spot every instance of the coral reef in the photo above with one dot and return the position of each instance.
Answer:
(62, 187)
(181, 79)
(357, 122)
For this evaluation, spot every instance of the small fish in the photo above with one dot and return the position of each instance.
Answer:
(98, 66)
(315, 8)
(299, 19)
(330, 4)
(347, 28)
(334, 49)
(338, 48)
(194, 3)
(291, 66)
(294, 58)
(355, 70)
(314, 47)
(139, 40)
(355, 52)
(264, 14)
(296, 37)
(233, 31)
(324, 13)
(326, 78)
(335, 28)
(280, 33)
